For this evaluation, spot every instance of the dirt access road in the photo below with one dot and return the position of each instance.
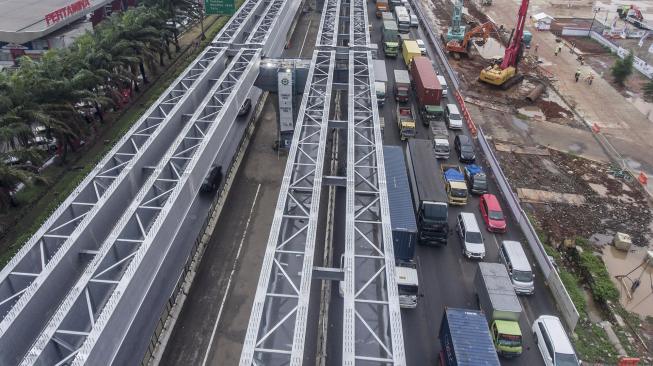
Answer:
(627, 129)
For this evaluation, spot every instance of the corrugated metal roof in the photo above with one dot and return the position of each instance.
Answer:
(402, 213)
(471, 349)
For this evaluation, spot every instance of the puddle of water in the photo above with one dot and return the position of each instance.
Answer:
(531, 111)
(492, 49)
(600, 189)
(619, 263)
(520, 124)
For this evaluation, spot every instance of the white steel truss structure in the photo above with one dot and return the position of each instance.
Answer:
(236, 25)
(263, 26)
(100, 198)
(372, 330)
(277, 325)
(72, 335)
(327, 35)
(359, 35)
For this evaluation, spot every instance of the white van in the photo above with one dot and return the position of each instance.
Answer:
(470, 236)
(513, 256)
(553, 343)
(443, 84)
(452, 117)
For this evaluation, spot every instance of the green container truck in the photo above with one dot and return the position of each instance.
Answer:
(390, 38)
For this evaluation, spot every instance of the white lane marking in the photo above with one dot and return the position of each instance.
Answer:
(233, 269)
(305, 35)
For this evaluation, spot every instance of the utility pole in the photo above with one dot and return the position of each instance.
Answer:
(201, 8)
(596, 11)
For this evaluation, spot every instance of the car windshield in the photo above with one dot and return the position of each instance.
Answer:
(510, 340)
(407, 290)
(496, 215)
(454, 116)
(566, 359)
(435, 212)
(458, 192)
(522, 276)
(474, 238)
(466, 148)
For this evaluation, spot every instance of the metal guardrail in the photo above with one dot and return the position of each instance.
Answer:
(560, 294)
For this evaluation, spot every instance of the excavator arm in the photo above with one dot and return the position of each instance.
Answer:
(482, 31)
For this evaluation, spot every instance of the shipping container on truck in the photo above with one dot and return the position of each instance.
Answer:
(427, 89)
(429, 196)
(409, 50)
(390, 38)
(380, 80)
(497, 299)
(402, 213)
(465, 339)
(402, 85)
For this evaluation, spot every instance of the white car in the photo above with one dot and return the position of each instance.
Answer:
(413, 21)
(422, 46)
(553, 343)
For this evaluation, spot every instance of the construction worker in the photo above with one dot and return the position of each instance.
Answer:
(577, 74)
(537, 46)
(590, 78)
(558, 49)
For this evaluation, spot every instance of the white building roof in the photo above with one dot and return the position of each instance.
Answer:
(543, 16)
(22, 21)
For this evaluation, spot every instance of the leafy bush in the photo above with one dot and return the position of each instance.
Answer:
(622, 69)
(573, 288)
(597, 276)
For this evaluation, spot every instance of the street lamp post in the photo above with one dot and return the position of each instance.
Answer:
(596, 11)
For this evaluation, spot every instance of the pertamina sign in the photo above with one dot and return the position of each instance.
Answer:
(68, 10)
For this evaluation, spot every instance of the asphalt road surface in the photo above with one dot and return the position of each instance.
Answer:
(446, 277)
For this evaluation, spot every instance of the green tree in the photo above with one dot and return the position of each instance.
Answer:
(623, 68)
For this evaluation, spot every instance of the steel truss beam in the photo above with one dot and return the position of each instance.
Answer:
(277, 325)
(372, 319)
(101, 298)
(327, 35)
(359, 35)
(236, 25)
(263, 26)
(73, 226)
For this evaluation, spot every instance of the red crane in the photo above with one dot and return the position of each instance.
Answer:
(499, 74)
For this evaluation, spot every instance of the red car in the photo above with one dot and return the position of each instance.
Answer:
(492, 213)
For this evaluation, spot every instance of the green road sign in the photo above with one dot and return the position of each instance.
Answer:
(219, 7)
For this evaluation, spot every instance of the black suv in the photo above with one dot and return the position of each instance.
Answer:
(464, 149)
(212, 180)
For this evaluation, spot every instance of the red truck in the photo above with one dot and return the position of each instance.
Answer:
(427, 88)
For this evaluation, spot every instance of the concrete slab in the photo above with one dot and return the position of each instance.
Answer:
(539, 196)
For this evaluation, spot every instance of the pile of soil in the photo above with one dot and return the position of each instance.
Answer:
(553, 110)
(612, 205)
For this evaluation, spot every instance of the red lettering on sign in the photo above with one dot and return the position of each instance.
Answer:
(66, 11)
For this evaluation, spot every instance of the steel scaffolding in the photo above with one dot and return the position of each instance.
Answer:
(359, 35)
(277, 325)
(38, 277)
(235, 28)
(140, 241)
(327, 35)
(372, 319)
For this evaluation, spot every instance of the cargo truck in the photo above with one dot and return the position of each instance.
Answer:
(409, 50)
(427, 90)
(390, 38)
(405, 122)
(387, 15)
(465, 339)
(429, 197)
(476, 179)
(402, 85)
(497, 299)
(402, 221)
(380, 81)
(454, 182)
(381, 6)
(440, 134)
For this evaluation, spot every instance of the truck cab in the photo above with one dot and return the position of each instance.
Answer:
(406, 122)
(380, 92)
(507, 338)
(407, 284)
(441, 147)
(455, 185)
(432, 223)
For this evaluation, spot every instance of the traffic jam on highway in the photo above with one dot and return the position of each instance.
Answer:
(441, 201)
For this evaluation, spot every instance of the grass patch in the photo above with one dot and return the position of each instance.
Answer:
(39, 201)
(522, 116)
(597, 276)
(592, 344)
(572, 284)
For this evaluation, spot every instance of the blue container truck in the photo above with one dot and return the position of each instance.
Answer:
(465, 339)
(402, 213)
